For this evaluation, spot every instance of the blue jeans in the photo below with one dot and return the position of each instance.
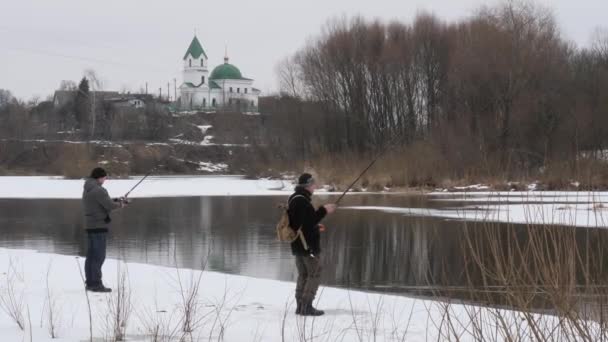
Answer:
(96, 255)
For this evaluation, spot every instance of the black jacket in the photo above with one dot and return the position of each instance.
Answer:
(303, 214)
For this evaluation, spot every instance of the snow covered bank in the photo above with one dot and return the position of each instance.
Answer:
(574, 208)
(582, 209)
(57, 187)
(505, 197)
(236, 308)
(156, 186)
(580, 215)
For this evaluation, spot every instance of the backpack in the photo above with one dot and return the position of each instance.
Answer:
(284, 231)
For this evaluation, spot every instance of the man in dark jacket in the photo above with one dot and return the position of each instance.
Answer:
(97, 207)
(302, 215)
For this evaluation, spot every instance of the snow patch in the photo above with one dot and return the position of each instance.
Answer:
(159, 186)
(211, 167)
(250, 309)
(204, 128)
(472, 187)
(207, 140)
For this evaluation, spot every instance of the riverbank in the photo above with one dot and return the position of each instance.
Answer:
(155, 302)
(48, 299)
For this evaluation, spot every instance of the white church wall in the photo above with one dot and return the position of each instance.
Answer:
(196, 62)
(194, 76)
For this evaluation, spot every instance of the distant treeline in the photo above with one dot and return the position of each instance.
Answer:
(82, 116)
(498, 93)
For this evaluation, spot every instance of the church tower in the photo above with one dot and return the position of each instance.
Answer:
(195, 65)
(223, 88)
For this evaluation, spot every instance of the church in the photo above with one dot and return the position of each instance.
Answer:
(224, 88)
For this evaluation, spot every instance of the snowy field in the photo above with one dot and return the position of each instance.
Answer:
(225, 307)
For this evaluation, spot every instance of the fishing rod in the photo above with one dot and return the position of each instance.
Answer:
(125, 197)
(388, 147)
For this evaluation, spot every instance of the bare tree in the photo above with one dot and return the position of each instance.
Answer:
(68, 85)
(95, 85)
(290, 81)
(5, 97)
(599, 42)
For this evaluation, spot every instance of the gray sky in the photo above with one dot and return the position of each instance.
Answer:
(130, 42)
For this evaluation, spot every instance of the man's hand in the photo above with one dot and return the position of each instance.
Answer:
(330, 208)
(124, 202)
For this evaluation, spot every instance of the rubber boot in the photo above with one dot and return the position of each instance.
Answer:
(309, 310)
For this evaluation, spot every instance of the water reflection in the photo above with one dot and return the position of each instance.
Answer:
(361, 249)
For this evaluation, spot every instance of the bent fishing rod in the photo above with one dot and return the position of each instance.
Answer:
(388, 147)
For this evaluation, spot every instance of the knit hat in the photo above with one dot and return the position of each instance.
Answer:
(98, 173)
(306, 180)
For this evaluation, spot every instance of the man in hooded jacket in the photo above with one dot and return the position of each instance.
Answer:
(97, 208)
(302, 215)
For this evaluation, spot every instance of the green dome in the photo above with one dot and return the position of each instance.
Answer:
(226, 72)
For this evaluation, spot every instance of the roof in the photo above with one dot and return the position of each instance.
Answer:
(129, 97)
(212, 85)
(195, 49)
(62, 97)
(226, 71)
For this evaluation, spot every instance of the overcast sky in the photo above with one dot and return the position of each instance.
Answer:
(130, 42)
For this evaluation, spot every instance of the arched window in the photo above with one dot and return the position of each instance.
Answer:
(190, 62)
(231, 89)
(202, 62)
(204, 102)
(202, 79)
(213, 102)
(238, 90)
(245, 90)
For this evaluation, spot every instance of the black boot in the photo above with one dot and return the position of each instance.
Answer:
(309, 310)
(298, 307)
(99, 288)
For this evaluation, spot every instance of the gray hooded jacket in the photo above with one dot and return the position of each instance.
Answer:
(97, 205)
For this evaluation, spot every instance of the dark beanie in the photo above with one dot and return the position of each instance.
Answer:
(98, 173)
(306, 179)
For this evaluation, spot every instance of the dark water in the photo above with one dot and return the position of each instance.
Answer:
(362, 249)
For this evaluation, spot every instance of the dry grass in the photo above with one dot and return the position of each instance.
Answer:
(52, 308)
(418, 166)
(11, 297)
(552, 281)
(119, 305)
(423, 165)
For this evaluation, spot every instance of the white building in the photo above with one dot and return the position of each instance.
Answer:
(225, 87)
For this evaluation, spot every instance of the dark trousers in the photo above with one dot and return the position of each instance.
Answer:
(309, 277)
(96, 255)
